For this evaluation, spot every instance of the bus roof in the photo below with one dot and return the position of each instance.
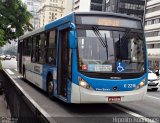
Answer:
(48, 26)
(70, 18)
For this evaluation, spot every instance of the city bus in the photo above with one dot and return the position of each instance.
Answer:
(87, 57)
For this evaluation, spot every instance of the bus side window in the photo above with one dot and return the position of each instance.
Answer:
(42, 48)
(51, 49)
(29, 46)
(35, 49)
(24, 47)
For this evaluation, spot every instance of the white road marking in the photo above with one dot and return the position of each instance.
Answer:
(9, 71)
(154, 97)
(148, 120)
(16, 77)
(20, 76)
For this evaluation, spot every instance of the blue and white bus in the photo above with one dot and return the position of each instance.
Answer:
(87, 57)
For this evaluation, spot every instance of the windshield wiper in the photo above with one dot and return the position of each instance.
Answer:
(106, 45)
(99, 36)
(101, 39)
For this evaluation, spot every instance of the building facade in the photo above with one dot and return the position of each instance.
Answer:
(152, 30)
(33, 6)
(129, 7)
(68, 6)
(81, 5)
(89, 5)
(51, 10)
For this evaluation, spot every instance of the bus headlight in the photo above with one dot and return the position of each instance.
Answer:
(84, 84)
(141, 84)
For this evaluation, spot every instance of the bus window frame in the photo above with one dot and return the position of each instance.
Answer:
(95, 74)
(47, 48)
(34, 48)
(42, 49)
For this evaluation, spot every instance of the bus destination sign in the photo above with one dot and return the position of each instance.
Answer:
(108, 22)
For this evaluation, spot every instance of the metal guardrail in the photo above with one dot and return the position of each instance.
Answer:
(23, 109)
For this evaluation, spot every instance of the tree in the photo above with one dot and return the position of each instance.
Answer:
(14, 20)
(2, 42)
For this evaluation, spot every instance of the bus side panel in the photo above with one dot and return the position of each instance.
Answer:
(34, 78)
(34, 73)
(46, 70)
(75, 90)
(55, 82)
(44, 74)
(74, 67)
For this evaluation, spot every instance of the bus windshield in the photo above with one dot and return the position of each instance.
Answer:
(110, 51)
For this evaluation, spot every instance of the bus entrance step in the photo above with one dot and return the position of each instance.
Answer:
(63, 98)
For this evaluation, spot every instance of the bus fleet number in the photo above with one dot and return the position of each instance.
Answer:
(129, 85)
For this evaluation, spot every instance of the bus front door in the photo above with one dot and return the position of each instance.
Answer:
(20, 49)
(63, 61)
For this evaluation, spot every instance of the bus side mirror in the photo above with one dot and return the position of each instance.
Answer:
(72, 37)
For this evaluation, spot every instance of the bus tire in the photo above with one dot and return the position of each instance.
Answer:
(50, 87)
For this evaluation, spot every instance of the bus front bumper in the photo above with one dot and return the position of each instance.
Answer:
(82, 95)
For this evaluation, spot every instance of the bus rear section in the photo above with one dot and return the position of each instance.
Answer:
(109, 60)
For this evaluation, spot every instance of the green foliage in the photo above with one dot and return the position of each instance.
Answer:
(2, 42)
(13, 15)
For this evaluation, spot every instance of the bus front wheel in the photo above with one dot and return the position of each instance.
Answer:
(50, 88)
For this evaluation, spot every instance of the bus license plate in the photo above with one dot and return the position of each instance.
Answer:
(114, 99)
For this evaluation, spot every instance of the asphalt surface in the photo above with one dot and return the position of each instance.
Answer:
(11, 64)
(147, 110)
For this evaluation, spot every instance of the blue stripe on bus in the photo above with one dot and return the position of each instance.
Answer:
(74, 69)
(146, 59)
(69, 91)
(44, 77)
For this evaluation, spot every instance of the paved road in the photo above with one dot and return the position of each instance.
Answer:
(12, 64)
(148, 108)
